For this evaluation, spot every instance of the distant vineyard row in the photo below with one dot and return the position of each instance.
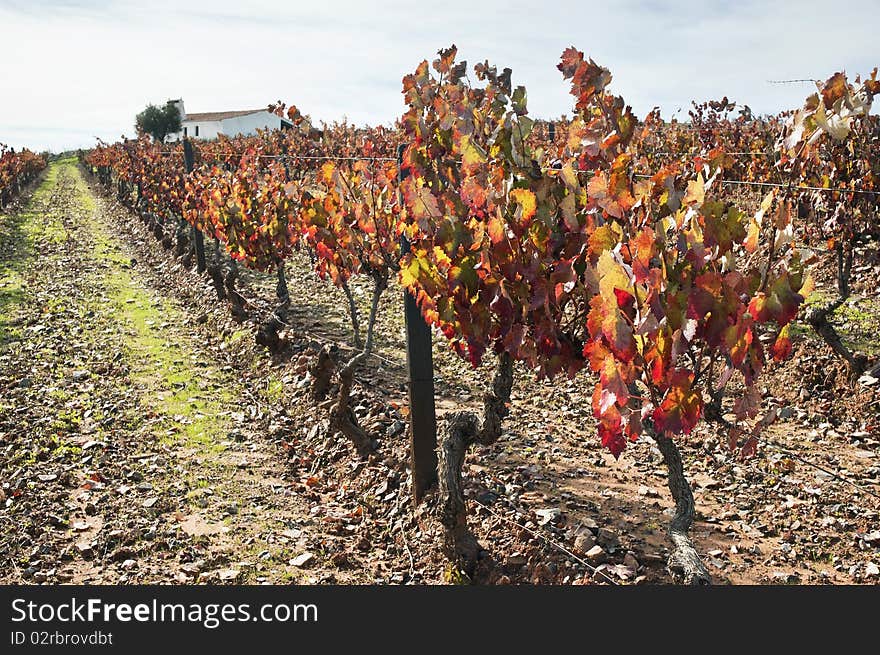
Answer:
(16, 170)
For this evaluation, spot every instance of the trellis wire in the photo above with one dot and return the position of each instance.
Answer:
(737, 182)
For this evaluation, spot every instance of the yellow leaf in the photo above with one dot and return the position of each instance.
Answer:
(471, 155)
(441, 258)
(568, 207)
(569, 177)
(602, 239)
(409, 274)
(611, 276)
(327, 172)
(751, 242)
(808, 286)
(526, 199)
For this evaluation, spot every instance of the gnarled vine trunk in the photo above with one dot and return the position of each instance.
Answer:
(353, 313)
(342, 417)
(460, 431)
(684, 562)
(182, 238)
(268, 332)
(817, 317)
(215, 270)
(322, 372)
(236, 300)
(281, 290)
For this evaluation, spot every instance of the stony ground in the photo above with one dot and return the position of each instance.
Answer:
(146, 438)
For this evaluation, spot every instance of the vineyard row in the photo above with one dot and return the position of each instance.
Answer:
(660, 285)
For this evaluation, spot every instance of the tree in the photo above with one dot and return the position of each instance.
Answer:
(159, 122)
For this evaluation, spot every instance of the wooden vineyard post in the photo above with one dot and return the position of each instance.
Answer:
(420, 366)
(198, 239)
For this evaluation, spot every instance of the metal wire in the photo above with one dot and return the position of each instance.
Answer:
(806, 79)
(740, 153)
(310, 157)
(785, 186)
(835, 474)
(579, 171)
(550, 542)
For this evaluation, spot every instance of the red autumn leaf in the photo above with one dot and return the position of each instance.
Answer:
(733, 438)
(633, 427)
(700, 302)
(748, 405)
(750, 448)
(612, 439)
(570, 60)
(738, 339)
(680, 409)
(609, 322)
(615, 201)
(779, 304)
(625, 300)
(781, 348)
(613, 384)
(473, 193)
(644, 252)
(659, 355)
(596, 353)
(834, 88)
(610, 429)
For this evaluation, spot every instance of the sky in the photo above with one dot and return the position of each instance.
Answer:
(74, 70)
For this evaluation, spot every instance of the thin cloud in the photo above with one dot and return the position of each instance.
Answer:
(87, 67)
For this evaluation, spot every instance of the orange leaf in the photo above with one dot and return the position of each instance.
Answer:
(497, 230)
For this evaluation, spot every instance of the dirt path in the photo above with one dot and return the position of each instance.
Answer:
(125, 455)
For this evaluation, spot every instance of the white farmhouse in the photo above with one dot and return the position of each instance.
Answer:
(230, 123)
